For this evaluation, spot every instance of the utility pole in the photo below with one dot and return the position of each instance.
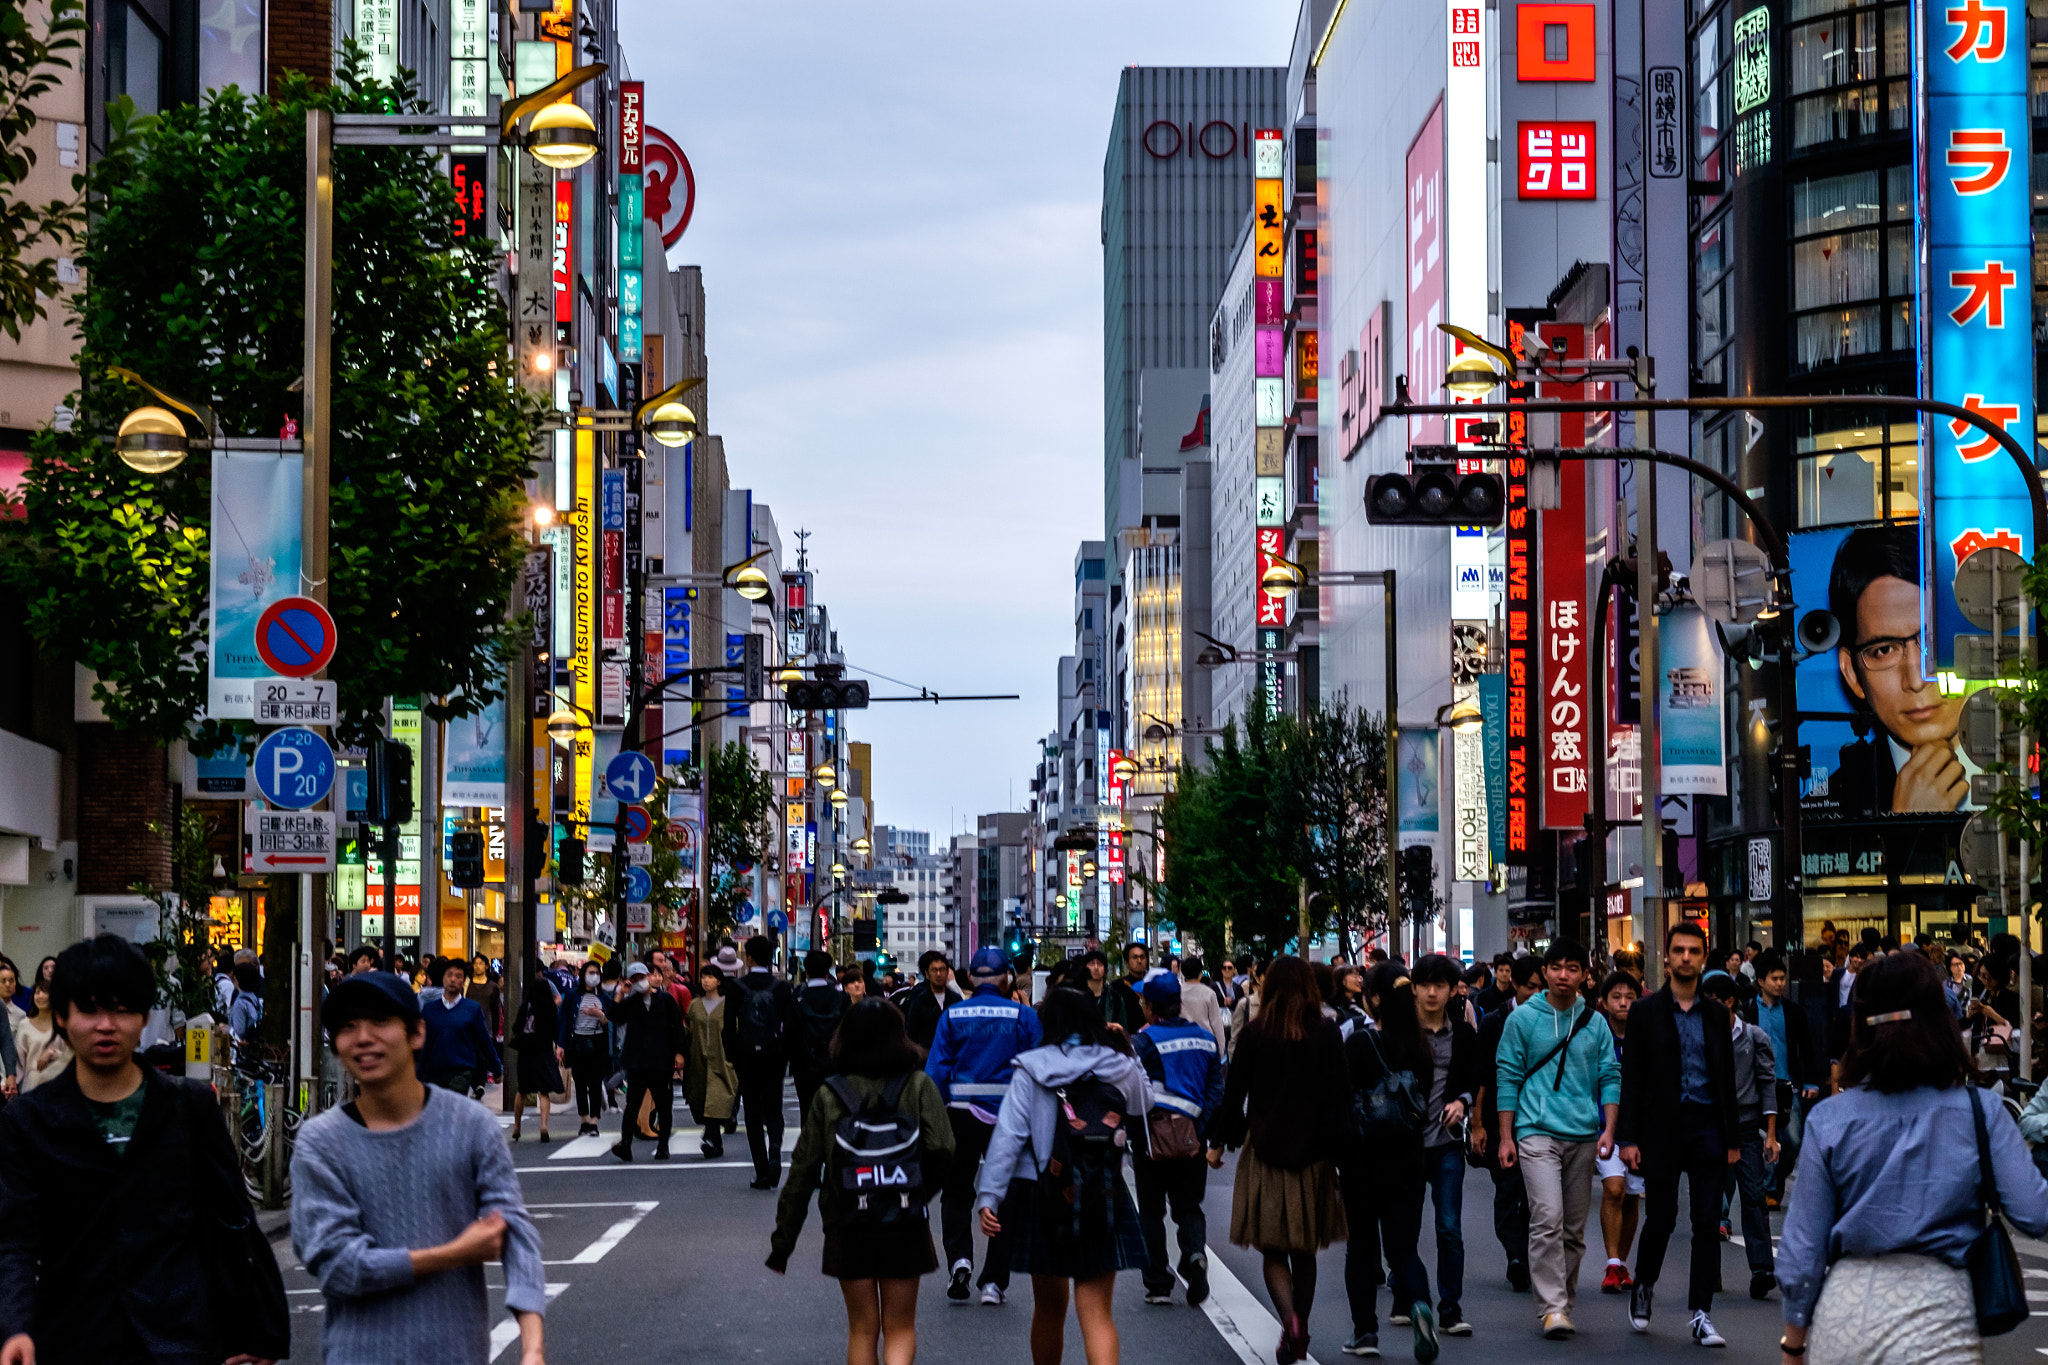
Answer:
(1649, 920)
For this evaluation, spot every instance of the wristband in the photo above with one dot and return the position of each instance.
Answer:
(1789, 1349)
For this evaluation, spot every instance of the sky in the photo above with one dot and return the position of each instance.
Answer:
(899, 221)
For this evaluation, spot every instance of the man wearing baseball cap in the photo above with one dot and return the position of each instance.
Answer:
(1182, 1061)
(974, 1049)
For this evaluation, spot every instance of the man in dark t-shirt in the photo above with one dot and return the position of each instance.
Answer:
(1510, 1196)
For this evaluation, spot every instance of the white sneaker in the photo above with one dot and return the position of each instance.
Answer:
(992, 1296)
(1397, 1319)
(1703, 1333)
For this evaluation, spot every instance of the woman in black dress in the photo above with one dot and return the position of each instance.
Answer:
(877, 1267)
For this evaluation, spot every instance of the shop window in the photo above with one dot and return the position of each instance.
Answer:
(1857, 473)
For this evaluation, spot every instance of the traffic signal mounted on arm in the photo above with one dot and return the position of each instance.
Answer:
(390, 799)
(1434, 495)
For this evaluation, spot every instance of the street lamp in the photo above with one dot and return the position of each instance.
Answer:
(562, 136)
(826, 775)
(751, 583)
(839, 798)
(1126, 767)
(672, 424)
(1460, 717)
(1088, 871)
(1472, 376)
(152, 439)
(862, 846)
(1283, 578)
(839, 869)
(563, 725)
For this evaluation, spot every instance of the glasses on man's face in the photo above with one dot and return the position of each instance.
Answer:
(1883, 652)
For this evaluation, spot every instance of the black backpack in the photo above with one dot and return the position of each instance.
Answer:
(877, 1154)
(1089, 1139)
(760, 1031)
(819, 1023)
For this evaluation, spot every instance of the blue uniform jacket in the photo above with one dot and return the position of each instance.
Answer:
(1189, 1065)
(976, 1047)
(457, 1040)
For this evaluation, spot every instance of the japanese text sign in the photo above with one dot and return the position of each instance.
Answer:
(1558, 161)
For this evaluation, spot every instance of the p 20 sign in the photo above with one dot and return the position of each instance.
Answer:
(1558, 161)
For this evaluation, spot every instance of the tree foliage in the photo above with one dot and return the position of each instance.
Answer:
(176, 951)
(197, 284)
(32, 56)
(741, 835)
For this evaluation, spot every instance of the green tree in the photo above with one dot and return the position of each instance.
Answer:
(181, 940)
(1335, 806)
(741, 834)
(196, 264)
(31, 58)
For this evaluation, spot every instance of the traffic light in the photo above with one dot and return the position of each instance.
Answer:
(754, 678)
(390, 801)
(890, 895)
(1418, 881)
(1434, 495)
(824, 694)
(569, 865)
(863, 935)
(1017, 946)
(466, 858)
(537, 833)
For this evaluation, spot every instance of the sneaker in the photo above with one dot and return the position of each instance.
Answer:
(1616, 1278)
(1518, 1277)
(1557, 1327)
(1363, 1344)
(1726, 1231)
(1163, 1297)
(1397, 1319)
(623, 1150)
(1639, 1308)
(1197, 1276)
(1703, 1333)
(1451, 1322)
(961, 1287)
(1425, 1334)
(1761, 1284)
(992, 1296)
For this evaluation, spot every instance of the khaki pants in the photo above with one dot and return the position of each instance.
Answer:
(1559, 1178)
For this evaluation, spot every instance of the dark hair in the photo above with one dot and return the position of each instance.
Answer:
(1326, 980)
(248, 976)
(1526, 970)
(1290, 1006)
(1503, 959)
(1860, 950)
(362, 951)
(1095, 955)
(1897, 1055)
(1721, 985)
(1243, 962)
(711, 969)
(1191, 968)
(1866, 555)
(1066, 1013)
(818, 962)
(1140, 947)
(1872, 937)
(1618, 979)
(1435, 969)
(1768, 961)
(1400, 1031)
(929, 956)
(1564, 950)
(49, 962)
(1168, 1008)
(870, 1040)
(103, 973)
(761, 949)
(442, 965)
(1684, 926)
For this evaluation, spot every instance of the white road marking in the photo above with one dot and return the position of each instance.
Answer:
(644, 1164)
(597, 1144)
(613, 1235)
(507, 1331)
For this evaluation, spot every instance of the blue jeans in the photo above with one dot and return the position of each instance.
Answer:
(1443, 1171)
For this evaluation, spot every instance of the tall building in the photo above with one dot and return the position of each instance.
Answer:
(1176, 186)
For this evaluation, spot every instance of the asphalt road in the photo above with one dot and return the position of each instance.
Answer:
(667, 1259)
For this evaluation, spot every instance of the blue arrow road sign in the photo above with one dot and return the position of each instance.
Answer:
(639, 886)
(294, 768)
(778, 922)
(630, 776)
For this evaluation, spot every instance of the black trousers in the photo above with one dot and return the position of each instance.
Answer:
(659, 1082)
(956, 1203)
(1511, 1213)
(809, 1081)
(1703, 1162)
(1383, 1206)
(1179, 1183)
(761, 1093)
(589, 1063)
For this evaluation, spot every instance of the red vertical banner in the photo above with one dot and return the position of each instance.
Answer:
(1566, 641)
(564, 212)
(1524, 674)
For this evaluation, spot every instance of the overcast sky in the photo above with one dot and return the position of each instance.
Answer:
(898, 217)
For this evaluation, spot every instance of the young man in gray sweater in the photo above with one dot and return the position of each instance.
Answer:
(399, 1197)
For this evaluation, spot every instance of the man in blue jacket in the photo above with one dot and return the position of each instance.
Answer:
(973, 1052)
(1186, 1071)
(459, 1053)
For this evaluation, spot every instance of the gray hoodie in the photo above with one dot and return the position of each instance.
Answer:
(1024, 1123)
(1756, 1075)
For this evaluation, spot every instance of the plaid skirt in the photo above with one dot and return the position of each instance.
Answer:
(1036, 1249)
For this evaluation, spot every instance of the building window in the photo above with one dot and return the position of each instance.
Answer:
(135, 58)
(1852, 267)
(1847, 66)
(1856, 469)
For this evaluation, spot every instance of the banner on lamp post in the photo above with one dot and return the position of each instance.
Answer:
(256, 546)
(1692, 743)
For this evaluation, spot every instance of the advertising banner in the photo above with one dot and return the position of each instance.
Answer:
(1881, 732)
(583, 658)
(1689, 699)
(1425, 177)
(255, 543)
(1493, 707)
(473, 758)
(1471, 858)
(1421, 798)
(1523, 664)
(1976, 238)
(1567, 643)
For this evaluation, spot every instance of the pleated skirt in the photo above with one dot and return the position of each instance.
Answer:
(1276, 1210)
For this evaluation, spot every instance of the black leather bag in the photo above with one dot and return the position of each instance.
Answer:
(1996, 1279)
(1391, 1108)
(244, 1287)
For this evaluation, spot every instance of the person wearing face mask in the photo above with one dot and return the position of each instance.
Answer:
(586, 1043)
(652, 1055)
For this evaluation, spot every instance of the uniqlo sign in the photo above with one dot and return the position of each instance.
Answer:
(1465, 36)
(1558, 161)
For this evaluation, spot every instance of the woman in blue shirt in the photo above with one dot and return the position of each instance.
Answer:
(1886, 1203)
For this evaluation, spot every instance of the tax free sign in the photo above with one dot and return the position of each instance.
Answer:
(1978, 297)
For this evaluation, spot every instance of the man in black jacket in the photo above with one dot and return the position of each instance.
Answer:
(652, 1055)
(1451, 1080)
(1510, 1195)
(109, 1176)
(1799, 1077)
(1678, 1119)
(763, 1036)
(820, 1005)
(923, 1003)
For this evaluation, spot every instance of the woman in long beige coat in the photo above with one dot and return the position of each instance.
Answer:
(710, 1082)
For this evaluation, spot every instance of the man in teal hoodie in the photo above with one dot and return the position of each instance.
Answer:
(1560, 1090)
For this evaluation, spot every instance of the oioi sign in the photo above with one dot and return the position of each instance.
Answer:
(1977, 237)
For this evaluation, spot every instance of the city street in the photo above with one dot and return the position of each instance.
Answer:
(666, 1258)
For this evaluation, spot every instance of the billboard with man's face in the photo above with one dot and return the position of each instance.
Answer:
(1881, 732)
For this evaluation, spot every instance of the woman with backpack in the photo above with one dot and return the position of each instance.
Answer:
(534, 1030)
(1073, 1109)
(876, 1145)
(1287, 1103)
(1382, 1173)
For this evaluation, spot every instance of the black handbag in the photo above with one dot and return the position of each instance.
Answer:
(1996, 1280)
(244, 1287)
(1392, 1107)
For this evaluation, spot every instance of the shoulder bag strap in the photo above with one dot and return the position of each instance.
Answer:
(1563, 1050)
(1148, 1057)
(1987, 1179)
